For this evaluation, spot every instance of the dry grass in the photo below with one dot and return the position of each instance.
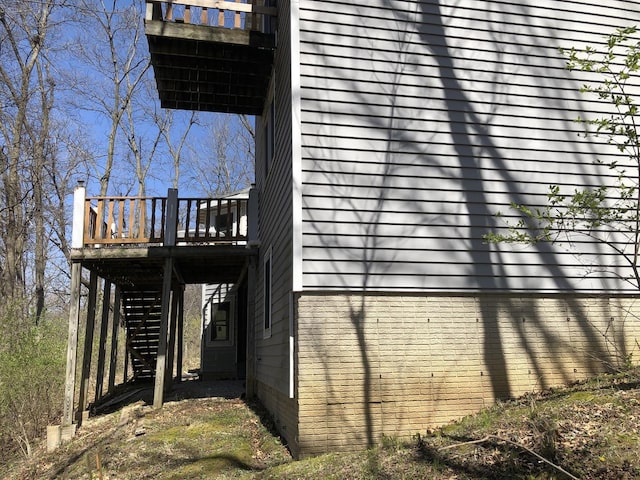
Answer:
(591, 430)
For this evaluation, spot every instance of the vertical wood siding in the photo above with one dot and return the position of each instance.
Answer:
(423, 119)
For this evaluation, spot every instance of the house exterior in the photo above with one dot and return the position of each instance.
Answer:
(224, 305)
(388, 136)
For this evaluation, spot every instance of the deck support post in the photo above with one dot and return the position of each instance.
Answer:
(158, 392)
(114, 340)
(72, 344)
(172, 340)
(125, 370)
(251, 328)
(88, 345)
(180, 353)
(170, 232)
(104, 329)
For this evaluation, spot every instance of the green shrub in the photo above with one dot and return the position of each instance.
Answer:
(32, 366)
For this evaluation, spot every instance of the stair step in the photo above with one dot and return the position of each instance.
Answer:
(142, 317)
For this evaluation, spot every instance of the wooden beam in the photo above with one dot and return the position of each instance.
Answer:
(182, 251)
(88, 344)
(251, 329)
(172, 340)
(102, 346)
(158, 393)
(180, 334)
(114, 339)
(72, 344)
(125, 370)
(205, 33)
(171, 226)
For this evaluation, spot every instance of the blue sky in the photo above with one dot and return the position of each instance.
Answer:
(83, 61)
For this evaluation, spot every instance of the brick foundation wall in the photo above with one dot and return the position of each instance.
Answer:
(378, 365)
(284, 413)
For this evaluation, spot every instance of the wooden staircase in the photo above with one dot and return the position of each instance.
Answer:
(142, 315)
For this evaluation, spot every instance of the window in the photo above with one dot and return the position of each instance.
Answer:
(220, 322)
(267, 294)
(219, 315)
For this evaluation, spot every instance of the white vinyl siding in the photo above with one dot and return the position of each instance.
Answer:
(275, 220)
(422, 120)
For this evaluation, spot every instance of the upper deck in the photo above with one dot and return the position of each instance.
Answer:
(211, 55)
(126, 239)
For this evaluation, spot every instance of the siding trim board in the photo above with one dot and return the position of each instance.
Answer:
(275, 228)
(296, 148)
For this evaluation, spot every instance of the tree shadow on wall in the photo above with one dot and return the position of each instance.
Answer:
(370, 253)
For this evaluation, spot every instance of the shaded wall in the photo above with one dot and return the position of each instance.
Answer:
(378, 365)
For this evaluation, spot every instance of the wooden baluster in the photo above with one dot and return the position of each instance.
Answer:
(187, 14)
(152, 229)
(169, 15)
(132, 218)
(254, 15)
(187, 222)
(110, 223)
(154, 11)
(218, 213)
(89, 222)
(100, 233)
(207, 219)
(203, 16)
(236, 223)
(236, 22)
(121, 225)
(197, 227)
(143, 218)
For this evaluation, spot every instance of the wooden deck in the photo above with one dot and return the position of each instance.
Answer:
(127, 239)
(144, 250)
(211, 55)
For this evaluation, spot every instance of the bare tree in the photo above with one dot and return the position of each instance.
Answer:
(164, 120)
(40, 135)
(26, 94)
(110, 51)
(224, 161)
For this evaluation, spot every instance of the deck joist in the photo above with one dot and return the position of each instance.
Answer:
(142, 266)
(204, 68)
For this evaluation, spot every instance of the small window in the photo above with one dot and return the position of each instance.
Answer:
(267, 294)
(219, 315)
(221, 322)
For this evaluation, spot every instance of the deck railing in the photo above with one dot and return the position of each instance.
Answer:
(242, 14)
(110, 221)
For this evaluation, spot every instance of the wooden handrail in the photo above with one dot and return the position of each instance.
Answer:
(207, 220)
(120, 220)
(123, 220)
(244, 13)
